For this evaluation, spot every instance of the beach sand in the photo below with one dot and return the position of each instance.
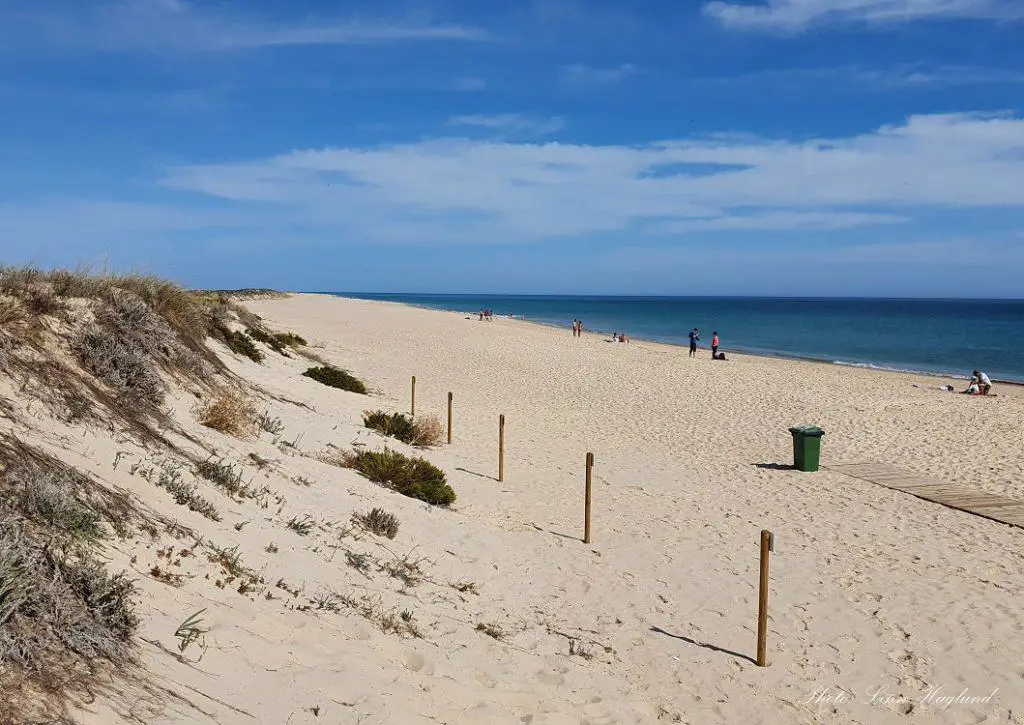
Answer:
(882, 605)
(873, 591)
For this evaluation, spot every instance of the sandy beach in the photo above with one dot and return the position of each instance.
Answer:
(873, 591)
(884, 607)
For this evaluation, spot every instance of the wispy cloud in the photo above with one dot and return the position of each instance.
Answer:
(799, 15)
(516, 124)
(468, 83)
(180, 26)
(872, 79)
(457, 190)
(584, 76)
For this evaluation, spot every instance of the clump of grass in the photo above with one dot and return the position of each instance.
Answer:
(301, 526)
(377, 521)
(61, 612)
(189, 631)
(424, 432)
(402, 623)
(394, 425)
(268, 339)
(492, 630)
(239, 343)
(274, 426)
(229, 412)
(427, 431)
(335, 378)
(406, 570)
(121, 365)
(359, 562)
(185, 494)
(51, 499)
(326, 600)
(413, 477)
(221, 474)
(291, 340)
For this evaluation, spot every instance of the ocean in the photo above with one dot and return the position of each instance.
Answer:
(945, 337)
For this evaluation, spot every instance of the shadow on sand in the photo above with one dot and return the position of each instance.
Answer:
(775, 466)
(704, 645)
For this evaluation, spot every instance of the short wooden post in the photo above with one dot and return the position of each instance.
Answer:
(586, 507)
(412, 406)
(501, 448)
(449, 418)
(767, 540)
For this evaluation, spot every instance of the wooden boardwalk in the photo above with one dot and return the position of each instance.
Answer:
(998, 508)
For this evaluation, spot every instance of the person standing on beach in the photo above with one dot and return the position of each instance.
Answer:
(714, 344)
(575, 327)
(694, 336)
(580, 323)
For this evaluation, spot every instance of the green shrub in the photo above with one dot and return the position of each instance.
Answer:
(240, 344)
(335, 378)
(413, 477)
(291, 339)
(395, 425)
(267, 339)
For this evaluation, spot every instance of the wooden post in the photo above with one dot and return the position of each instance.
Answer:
(586, 507)
(412, 406)
(762, 601)
(501, 448)
(449, 418)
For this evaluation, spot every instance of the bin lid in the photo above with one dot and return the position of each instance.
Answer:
(810, 431)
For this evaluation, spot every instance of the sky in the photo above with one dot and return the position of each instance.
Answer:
(684, 147)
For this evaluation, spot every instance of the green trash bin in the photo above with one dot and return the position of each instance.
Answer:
(806, 447)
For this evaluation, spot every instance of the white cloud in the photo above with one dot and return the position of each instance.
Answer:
(798, 15)
(457, 190)
(511, 123)
(179, 26)
(585, 76)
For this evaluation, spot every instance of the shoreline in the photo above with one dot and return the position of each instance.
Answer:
(778, 355)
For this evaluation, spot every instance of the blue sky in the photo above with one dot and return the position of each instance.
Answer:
(791, 147)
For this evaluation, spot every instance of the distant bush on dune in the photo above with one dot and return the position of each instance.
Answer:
(424, 432)
(335, 378)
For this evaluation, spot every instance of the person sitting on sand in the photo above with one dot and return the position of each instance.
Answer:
(983, 382)
(615, 337)
(623, 338)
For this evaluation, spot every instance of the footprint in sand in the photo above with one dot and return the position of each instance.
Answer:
(551, 677)
(416, 662)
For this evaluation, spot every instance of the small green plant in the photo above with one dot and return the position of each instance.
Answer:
(274, 426)
(271, 548)
(190, 631)
(302, 526)
(413, 477)
(407, 571)
(221, 474)
(335, 378)
(377, 521)
(326, 601)
(359, 562)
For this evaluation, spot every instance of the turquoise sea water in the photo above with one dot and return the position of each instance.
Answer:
(934, 336)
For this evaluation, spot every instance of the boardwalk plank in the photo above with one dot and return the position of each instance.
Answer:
(963, 498)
